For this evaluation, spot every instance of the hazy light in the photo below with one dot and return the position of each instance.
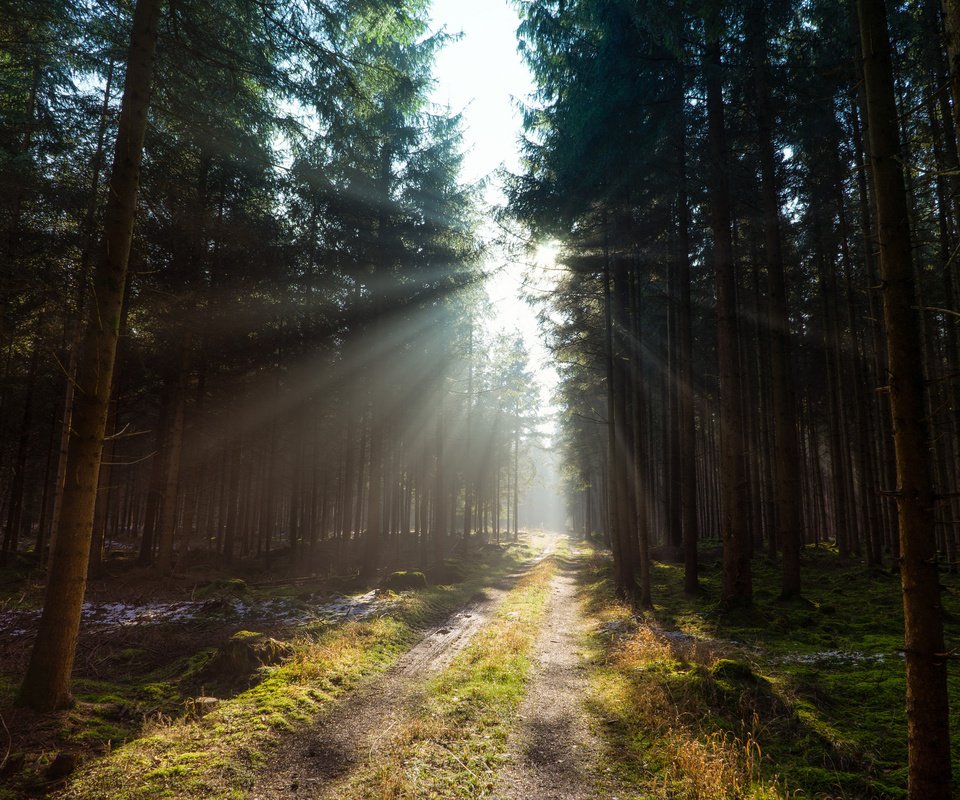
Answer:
(546, 254)
(482, 76)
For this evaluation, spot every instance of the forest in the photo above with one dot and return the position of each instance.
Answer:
(283, 509)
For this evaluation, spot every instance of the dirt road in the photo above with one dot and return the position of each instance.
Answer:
(356, 730)
(551, 752)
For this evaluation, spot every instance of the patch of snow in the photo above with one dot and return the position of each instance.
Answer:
(279, 610)
(617, 627)
(831, 657)
(680, 636)
(352, 607)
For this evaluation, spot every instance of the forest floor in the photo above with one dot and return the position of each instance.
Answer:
(524, 679)
(359, 731)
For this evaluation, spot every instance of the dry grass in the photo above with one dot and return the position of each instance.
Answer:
(718, 766)
(656, 694)
(218, 755)
(640, 689)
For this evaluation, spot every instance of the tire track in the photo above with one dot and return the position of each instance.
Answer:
(552, 752)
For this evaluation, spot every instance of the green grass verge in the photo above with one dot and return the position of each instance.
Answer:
(797, 698)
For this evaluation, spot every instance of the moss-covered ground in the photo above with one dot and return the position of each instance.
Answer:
(789, 699)
(801, 698)
(138, 731)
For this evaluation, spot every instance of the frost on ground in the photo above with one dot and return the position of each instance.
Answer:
(836, 657)
(285, 611)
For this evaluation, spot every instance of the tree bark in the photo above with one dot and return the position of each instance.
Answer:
(167, 522)
(684, 373)
(951, 21)
(786, 449)
(927, 704)
(76, 338)
(737, 579)
(623, 575)
(46, 684)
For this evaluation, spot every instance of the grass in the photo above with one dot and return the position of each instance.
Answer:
(790, 699)
(798, 698)
(455, 745)
(154, 746)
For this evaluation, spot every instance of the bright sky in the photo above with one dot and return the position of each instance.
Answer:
(483, 76)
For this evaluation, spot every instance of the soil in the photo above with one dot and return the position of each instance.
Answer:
(137, 628)
(552, 752)
(319, 760)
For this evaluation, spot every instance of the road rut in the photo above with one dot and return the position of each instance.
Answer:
(552, 752)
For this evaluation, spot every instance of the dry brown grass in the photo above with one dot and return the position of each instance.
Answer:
(719, 766)
(654, 692)
(216, 755)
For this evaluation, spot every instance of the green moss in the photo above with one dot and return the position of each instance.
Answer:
(818, 681)
(731, 670)
(403, 580)
(822, 781)
(449, 571)
(158, 693)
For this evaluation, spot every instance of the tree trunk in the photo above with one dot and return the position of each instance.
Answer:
(76, 338)
(927, 705)
(951, 20)
(737, 579)
(684, 373)
(46, 684)
(622, 574)
(167, 523)
(786, 449)
(11, 535)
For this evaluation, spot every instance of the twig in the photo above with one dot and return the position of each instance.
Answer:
(6, 730)
(938, 310)
(457, 758)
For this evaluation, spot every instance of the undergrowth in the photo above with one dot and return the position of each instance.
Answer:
(801, 698)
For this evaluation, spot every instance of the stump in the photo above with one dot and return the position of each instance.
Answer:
(401, 581)
(242, 655)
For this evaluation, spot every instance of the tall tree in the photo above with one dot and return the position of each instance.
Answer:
(927, 707)
(787, 451)
(737, 579)
(46, 684)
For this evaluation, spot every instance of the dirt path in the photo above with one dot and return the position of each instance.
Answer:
(552, 751)
(314, 763)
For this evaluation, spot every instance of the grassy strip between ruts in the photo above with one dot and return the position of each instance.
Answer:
(454, 746)
(800, 698)
(218, 755)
